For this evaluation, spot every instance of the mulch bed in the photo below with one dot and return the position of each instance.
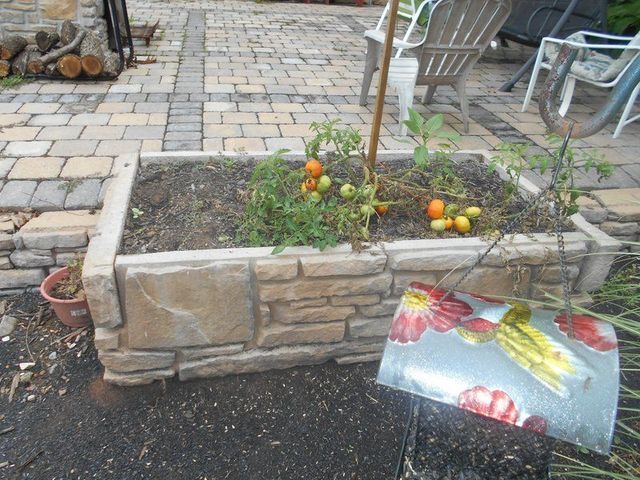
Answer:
(199, 205)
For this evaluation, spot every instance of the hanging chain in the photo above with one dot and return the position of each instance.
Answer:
(551, 189)
(564, 277)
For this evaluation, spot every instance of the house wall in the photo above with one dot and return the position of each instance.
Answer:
(30, 16)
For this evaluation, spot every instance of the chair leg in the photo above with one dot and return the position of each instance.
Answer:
(532, 81)
(568, 95)
(464, 103)
(405, 99)
(428, 94)
(370, 66)
(627, 111)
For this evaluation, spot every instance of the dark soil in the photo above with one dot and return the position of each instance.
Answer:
(313, 423)
(475, 448)
(199, 205)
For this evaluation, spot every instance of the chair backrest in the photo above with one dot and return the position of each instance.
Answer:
(406, 9)
(620, 65)
(458, 32)
(532, 20)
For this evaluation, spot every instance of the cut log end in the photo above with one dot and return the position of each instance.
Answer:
(35, 66)
(11, 46)
(68, 31)
(46, 40)
(5, 68)
(92, 66)
(20, 62)
(69, 65)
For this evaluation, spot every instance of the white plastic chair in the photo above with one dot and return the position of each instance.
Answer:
(408, 11)
(591, 67)
(457, 34)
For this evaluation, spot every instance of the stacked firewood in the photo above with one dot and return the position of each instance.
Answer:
(71, 51)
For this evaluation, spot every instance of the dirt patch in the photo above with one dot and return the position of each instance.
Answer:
(200, 205)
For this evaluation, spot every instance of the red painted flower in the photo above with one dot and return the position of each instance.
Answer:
(535, 423)
(486, 299)
(494, 404)
(595, 333)
(416, 313)
(478, 330)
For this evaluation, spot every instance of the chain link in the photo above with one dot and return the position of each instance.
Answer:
(549, 190)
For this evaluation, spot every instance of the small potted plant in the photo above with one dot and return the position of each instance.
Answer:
(63, 289)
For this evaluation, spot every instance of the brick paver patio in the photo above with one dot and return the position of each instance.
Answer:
(245, 76)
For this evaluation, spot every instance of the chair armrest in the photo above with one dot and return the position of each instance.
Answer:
(421, 7)
(589, 33)
(592, 46)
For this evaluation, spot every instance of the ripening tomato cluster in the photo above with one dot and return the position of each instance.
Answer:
(446, 217)
(316, 184)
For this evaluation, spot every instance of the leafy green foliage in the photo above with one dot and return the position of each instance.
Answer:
(345, 141)
(573, 163)
(278, 213)
(624, 16)
(443, 175)
(12, 81)
(512, 158)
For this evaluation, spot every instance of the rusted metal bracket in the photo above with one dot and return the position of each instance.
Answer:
(557, 76)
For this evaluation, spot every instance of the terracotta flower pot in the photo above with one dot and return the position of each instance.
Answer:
(73, 313)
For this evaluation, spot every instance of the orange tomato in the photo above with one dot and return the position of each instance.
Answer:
(448, 223)
(311, 184)
(435, 209)
(462, 224)
(313, 168)
(381, 209)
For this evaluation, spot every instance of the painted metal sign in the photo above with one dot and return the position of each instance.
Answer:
(506, 361)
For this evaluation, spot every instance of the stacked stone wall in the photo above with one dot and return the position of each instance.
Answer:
(217, 312)
(32, 247)
(27, 17)
(615, 212)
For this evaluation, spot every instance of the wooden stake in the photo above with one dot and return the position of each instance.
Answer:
(382, 84)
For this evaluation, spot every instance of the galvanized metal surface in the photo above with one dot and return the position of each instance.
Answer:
(616, 101)
(457, 354)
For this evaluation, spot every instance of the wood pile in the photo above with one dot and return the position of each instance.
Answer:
(71, 51)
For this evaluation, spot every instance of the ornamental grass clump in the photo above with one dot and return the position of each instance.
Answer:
(617, 302)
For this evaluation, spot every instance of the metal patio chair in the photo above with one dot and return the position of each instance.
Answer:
(591, 67)
(532, 20)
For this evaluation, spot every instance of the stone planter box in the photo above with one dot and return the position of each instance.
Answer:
(216, 312)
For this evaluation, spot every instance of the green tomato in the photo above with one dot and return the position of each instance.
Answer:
(472, 212)
(368, 190)
(367, 210)
(316, 196)
(438, 225)
(451, 210)
(348, 191)
(324, 184)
